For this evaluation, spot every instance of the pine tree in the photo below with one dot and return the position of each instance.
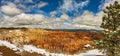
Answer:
(111, 25)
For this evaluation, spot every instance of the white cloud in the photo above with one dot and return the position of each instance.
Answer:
(72, 5)
(25, 1)
(65, 17)
(10, 9)
(86, 21)
(40, 5)
(30, 1)
(32, 19)
(17, 1)
(25, 19)
(88, 18)
(53, 13)
(105, 3)
(22, 4)
(52, 21)
(1, 18)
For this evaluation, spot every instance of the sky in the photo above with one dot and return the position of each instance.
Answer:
(53, 14)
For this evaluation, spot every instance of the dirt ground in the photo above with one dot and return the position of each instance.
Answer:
(7, 52)
(4, 51)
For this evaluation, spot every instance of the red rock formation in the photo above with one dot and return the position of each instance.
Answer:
(54, 41)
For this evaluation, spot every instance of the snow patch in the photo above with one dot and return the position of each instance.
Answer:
(95, 51)
(33, 49)
(9, 45)
(87, 45)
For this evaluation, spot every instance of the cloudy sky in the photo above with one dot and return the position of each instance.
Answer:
(54, 14)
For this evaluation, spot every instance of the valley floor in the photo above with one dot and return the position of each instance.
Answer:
(40, 42)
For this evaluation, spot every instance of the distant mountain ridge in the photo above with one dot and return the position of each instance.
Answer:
(71, 30)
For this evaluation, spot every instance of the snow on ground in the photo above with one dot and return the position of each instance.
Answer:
(87, 45)
(32, 49)
(9, 45)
